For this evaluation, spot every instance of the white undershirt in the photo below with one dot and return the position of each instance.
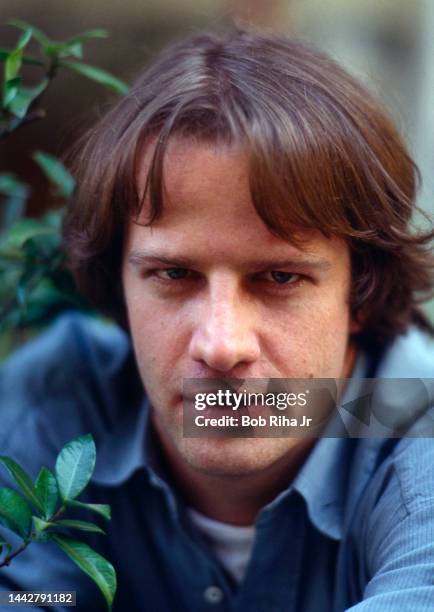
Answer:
(231, 545)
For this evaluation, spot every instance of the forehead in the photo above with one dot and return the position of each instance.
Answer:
(208, 205)
(201, 179)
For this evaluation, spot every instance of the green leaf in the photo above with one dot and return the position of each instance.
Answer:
(26, 59)
(82, 525)
(74, 49)
(54, 218)
(23, 25)
(24, 97)
(13, 64)
(39, 527)
(56, 173)
(88, 35)
(10, 90)
(68, 49)
(96, 74)
(21, 231)
(24, 38)
(74, 466)
(11, 186)
(103, 510)
(24, 287)
(93, 564)
(42, 247)
(23, 480)
(15, 513)
(46, 490)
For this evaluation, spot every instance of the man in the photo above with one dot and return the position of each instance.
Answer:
(243, 213)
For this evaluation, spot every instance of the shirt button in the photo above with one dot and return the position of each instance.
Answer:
(213, 595)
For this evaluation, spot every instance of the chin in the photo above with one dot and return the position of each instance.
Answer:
(232, 457)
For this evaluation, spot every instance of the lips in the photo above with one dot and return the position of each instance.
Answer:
(192, 386)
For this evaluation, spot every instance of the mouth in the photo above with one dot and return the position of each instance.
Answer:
(191, 386)
(187, 403)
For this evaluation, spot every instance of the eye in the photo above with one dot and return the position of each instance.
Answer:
(284, 278)
(173, 274)
(280, 282)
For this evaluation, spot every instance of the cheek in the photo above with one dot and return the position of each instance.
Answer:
(157, 338)
(311, 340)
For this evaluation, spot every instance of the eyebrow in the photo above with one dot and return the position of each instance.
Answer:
(139, 258)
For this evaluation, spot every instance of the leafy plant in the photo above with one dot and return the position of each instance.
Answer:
(36, 513)
(34, 281)
(20, 104)
(34, 285)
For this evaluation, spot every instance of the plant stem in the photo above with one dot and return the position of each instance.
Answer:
(60, 511)
(10, 556)
(19, 550)
(34, 112)
(29, 118)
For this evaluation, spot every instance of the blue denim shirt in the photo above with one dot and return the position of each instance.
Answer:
(354, 530)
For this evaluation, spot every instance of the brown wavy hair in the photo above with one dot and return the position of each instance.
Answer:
(323, 156)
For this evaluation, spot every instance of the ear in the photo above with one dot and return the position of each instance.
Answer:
(355, 327)
(357, 320)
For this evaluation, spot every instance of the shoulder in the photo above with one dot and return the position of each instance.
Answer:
(398, 473)
(73, 343)
(410, 355)
(404, 467)
(407, 464)
(392, 529)
(405, 479)
(401, 481)
(70, 380)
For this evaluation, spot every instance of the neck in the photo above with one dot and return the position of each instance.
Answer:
(234, 499)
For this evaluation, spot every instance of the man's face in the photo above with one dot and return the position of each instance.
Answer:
(210, 292)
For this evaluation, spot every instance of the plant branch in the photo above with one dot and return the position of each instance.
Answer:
(57, 514)
(6, 561)
(10, 556)
(35, 115)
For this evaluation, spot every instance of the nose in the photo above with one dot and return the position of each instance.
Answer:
(223, 336)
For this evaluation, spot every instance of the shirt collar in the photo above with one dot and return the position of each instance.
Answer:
(322, 480)
(124, 450)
